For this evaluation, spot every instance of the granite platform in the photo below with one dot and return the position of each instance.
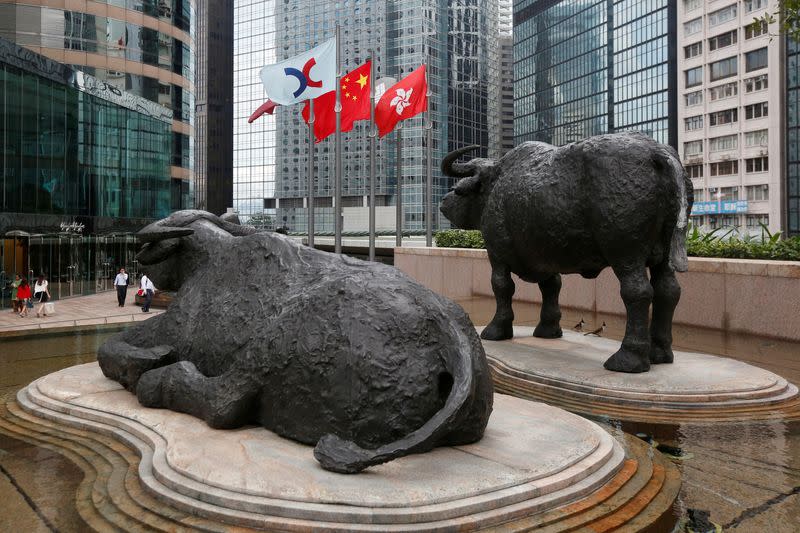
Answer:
(536, 464)
(569, 372)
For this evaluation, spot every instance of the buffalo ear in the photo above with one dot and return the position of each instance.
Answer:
(468, 186)
(156, 252)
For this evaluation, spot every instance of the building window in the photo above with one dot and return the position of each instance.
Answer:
(756, 164)
(723, 91)
(723, 168)
(727, 194)
(752, 5)
(756, 83)
(755, 221)
(722, 15)
(724, 68)
(756, 138)
(693, 123)
(691, 5)
(694, 171)
(757, 193)
(693, 50)
(755, 60)
(728, 116)
(756, 110)
(694, 76)
(692, 148)
(755, 29)
(693, 26)
(726, 142)
(694, 98)
(722, 40)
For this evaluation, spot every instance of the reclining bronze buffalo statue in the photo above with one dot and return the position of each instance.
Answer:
(619, 200)
(324, 349)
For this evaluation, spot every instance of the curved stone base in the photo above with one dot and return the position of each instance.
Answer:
(569, 372)
(536, 465)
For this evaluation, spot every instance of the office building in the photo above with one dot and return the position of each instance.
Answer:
(588, 67)
(83, 167)
(456, 41)
(505, 128)
(791, 146)
(213, 167)
(140, 47)
(730, 113)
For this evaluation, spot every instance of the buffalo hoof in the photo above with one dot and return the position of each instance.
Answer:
(660, 355)
(627, 361)
(545, 331)
(497, 332)
(149, 389)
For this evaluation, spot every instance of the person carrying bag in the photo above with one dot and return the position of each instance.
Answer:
(41, 295)
(24, 298)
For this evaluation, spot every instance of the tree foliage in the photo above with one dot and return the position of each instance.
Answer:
(787, 17)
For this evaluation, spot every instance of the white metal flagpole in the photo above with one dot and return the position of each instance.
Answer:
(399, 186)
(428, 172)
(311, 173)
(372, 134)
(337, 206)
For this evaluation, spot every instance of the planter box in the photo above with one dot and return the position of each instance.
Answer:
(736, 295)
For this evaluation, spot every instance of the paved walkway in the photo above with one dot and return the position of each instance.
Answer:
(89, 310)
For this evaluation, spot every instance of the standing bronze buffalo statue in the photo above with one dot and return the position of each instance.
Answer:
(352, 356)
(619, 200)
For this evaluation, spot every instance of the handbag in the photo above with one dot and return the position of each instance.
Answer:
(140, 292)
(29, 304)
(49, 308)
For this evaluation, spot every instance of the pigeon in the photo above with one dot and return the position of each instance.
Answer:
(598, 331)
(579, 325)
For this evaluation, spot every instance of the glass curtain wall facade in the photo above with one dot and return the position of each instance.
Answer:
(271, 155)
(792, 148)
(589, 67)
(83, 167)
(142, 47)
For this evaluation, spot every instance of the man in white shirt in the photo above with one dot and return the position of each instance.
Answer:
(121, 283)
(149, 289)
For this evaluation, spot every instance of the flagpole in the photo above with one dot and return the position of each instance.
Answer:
(428, 171)
(372, 134)
(399, 186)
(311, 173)
(337, 207)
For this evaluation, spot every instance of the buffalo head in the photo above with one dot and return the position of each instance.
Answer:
(174, 247)
(463, 206)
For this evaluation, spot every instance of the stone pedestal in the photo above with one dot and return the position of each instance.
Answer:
(536, 465)
(569, 372)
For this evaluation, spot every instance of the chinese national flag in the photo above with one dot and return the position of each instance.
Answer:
(355, 104)
(405, 99)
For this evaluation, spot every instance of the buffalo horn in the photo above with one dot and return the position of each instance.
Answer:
(155, 233)
(455, 170)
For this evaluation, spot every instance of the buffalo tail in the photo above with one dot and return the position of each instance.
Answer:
(668, 161)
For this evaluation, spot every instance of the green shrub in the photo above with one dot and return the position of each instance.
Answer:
(722, 242)
(459, 238)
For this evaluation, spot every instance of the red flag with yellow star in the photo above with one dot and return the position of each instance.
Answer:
(355, 104)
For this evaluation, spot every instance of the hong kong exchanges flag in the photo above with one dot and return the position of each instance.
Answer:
(355, 104)
(403, 100)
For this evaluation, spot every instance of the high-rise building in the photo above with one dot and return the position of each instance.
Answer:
(83, 167)
(214, 106)
(588, 67)
(791, 140)
(142, 47)
(730, 113)
(455, 39)
(505, 127)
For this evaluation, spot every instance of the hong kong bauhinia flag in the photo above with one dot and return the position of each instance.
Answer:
(355, 104)
(403, 100)
(302, 77)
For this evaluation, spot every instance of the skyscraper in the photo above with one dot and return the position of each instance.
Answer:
(588, 67)
(214, 107)
(145, 48)
(453, 38)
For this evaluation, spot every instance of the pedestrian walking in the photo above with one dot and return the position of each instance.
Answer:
(15, 306)
(149, 289)
(41, 294)
(121, 283)
(24, 297)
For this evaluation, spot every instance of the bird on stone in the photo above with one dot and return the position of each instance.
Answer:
(579, 325)
(599, 331)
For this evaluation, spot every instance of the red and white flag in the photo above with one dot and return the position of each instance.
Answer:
(302, 77)
(354, 99)
(403, 100)
(267, 108)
